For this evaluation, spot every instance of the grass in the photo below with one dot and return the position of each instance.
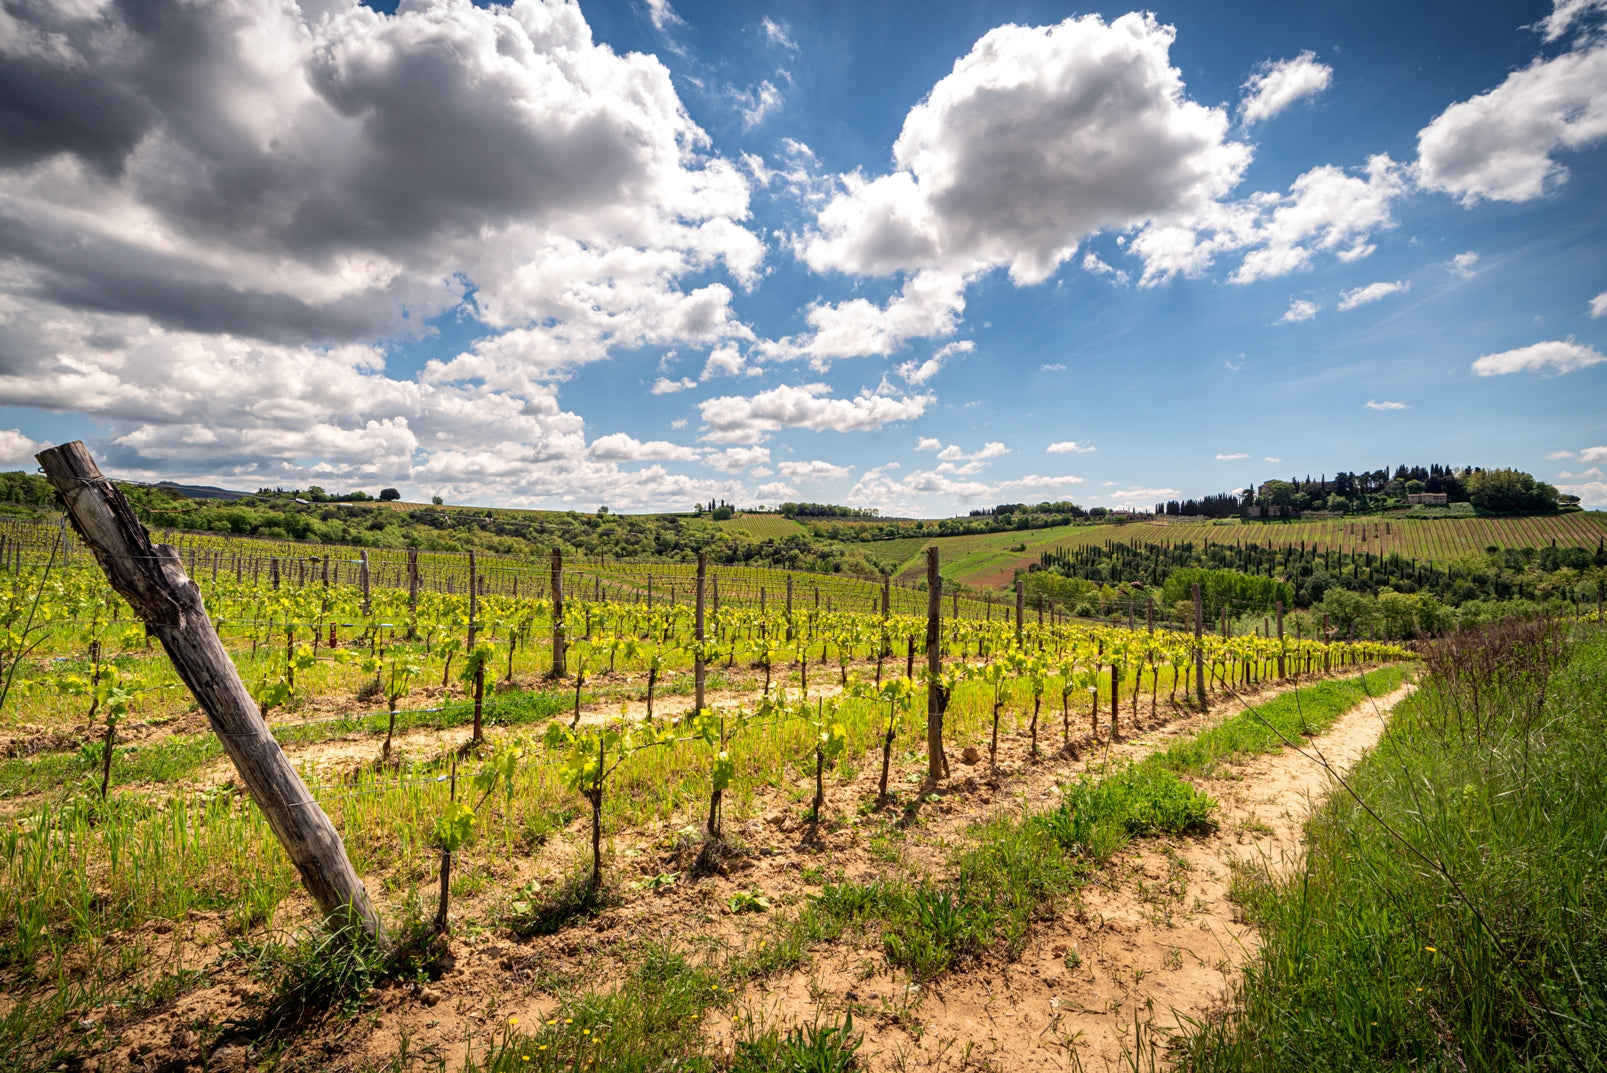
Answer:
(1459, 922)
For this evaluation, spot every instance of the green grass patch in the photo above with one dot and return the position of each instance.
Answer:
(1462, 924)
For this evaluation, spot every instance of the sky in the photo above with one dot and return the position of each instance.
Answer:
(921, 257)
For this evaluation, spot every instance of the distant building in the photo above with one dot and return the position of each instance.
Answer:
(1428, 499)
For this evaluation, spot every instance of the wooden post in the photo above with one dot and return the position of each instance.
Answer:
(560, 650)
(1280, 639)
(1021, 597)
(363, 576)
(789, 607)
(412, 581)
(935, 700)
(699, 667)
(474, 599)
(887, 594)
(1199, 648)
(1149, 613)
(152, 580)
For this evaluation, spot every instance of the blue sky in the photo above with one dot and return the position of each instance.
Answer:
(924, 258)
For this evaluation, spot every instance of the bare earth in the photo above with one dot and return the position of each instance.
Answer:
(1152, 939)
(1153, 942)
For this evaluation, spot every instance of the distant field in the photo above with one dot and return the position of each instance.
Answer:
(764, 526)
(986, 560)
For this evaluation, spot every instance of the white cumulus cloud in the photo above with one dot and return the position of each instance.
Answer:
(1300, 309)
(1373, 292)
(1234, 457)
(622, 447)
(1465, 264)
(1037, 137)
(1554, 357)
(1068, 447)
(1384, 405)
(813, 471)
(734, 418)
(17, 451)
(1598, 305)
(1278, 85)
(1503, 145)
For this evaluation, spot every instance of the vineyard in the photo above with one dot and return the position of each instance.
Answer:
(991, 559)
(513, 745)
(1429, 540)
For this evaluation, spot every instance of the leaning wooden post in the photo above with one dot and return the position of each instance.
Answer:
(560, 650)
(152, 579)
(935, 700)
(699, 667)
(363, 570)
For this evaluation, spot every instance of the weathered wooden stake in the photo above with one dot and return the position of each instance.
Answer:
(699, 667)
(152, 579)
(560, 650)
(1199, 647)
(936, 764)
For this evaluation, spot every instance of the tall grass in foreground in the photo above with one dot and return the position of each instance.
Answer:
(1459, 920)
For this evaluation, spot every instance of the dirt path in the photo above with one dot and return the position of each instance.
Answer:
(1153, 940)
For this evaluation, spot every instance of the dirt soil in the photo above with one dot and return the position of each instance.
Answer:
(1153, 938)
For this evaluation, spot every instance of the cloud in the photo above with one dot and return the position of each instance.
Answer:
(1328, 209)
(1278, 85)
(993, 449)
(1592, 494)
(1092, 263)
(1564, 13)
(734, 418)
(813, 471)
(622, 447)
(928, 305)
(1052, 367)
(1234, 457)
(213, 222)
(1145, 496)
(724, 361)
(662, 15)
(1068, 446)
(17, 450)
(1465, 264)
(1034, 480)
(757, 103)
(1037, 137)
(777, 491)
(778, 33)
(1269, 458)
(737, 459)
(1299, 310)
(1593, 454)
(917, 375)
(665, 386)
(1554, 455)
(1502, 145)
(927, 443)
(1553, 357)
(1373, 292)
(1385, 405)
(1598, 305)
